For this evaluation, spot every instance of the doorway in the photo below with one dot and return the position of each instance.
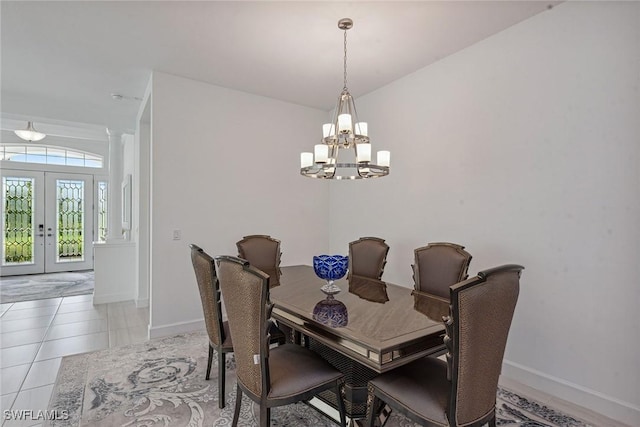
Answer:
(47, 222)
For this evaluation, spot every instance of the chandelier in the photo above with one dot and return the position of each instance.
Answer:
(345, 133)
(29, 134)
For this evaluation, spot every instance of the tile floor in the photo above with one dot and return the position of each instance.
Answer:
(35, 335)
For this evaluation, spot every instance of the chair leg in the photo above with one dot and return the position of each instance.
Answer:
(343, 421)
(222, 359)
(236, 413)
(265, 415)
(371, 414)
(209, 362)
(492, 421)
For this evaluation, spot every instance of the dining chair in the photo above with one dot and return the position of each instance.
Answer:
(367, 257)
(269, 376)
(262, 252)
(460, 391)
(437, 267)
(217, 329)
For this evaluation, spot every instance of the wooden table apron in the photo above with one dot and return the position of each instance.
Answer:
(383, 330)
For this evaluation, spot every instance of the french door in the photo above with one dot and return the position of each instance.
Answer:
(47, 222)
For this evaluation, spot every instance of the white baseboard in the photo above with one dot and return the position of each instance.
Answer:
(176, 328)
(115, 297)
(601, 403)
(142, 302)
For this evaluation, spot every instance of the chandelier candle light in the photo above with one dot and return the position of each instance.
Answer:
(345, 131)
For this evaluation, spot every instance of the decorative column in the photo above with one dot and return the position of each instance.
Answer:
(116, 154)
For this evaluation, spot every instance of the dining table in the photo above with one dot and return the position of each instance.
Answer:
(367, 328)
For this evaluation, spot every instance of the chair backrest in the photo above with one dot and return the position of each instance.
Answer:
(245, 291)
(263, 253)
(367, 257)
(205, 271)
(439, 266)
(481, 312)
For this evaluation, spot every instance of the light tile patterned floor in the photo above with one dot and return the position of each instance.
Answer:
(35, 335)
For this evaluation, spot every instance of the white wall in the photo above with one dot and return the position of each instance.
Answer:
(525, 148)
(224, 165)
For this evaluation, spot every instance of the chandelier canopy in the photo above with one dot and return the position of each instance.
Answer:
(29, 134)
(344, 132)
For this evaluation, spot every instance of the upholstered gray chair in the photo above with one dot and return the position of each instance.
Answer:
(218, 331)
(462, 390)
(263, 253)
(269, 376)
(367, 257)
(437, 267)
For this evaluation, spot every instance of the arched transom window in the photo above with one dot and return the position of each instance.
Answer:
(50, 156)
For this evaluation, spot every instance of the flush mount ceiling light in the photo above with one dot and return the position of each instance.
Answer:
(30, 134)
(344, 132)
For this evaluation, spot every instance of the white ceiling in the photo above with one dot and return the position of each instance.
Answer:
(62, 60)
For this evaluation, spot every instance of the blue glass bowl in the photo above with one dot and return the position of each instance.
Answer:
(331, 312)
(330, 268)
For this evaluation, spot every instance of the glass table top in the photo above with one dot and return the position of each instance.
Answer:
(372, 313)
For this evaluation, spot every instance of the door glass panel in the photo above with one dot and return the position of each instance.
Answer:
(70, 217)
(18, 221)
(102, 211)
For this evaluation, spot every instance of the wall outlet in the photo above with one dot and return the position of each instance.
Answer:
(177, 234)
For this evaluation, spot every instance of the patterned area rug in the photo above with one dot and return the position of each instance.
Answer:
(161, 383)
(40, 286)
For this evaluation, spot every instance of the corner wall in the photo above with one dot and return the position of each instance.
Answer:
(224, 164)
(525, 148)
(141, 194)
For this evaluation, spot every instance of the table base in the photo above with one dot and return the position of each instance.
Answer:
(356, 378)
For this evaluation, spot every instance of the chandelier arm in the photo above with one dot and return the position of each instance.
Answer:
(359, 165)
(354, 115)
(375, 171)
(335, 150)
(328, 170)
(336, 113)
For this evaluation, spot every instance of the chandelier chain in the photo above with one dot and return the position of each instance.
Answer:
(345, 59)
